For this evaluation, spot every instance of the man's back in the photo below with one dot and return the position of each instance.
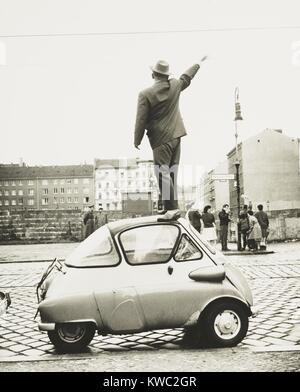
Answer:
(262, 218)
(158, 110)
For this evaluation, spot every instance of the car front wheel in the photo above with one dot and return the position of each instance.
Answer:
(71, 337)
(224, 325)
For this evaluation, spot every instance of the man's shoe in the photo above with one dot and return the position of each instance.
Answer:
(162, 212)
(170, 215)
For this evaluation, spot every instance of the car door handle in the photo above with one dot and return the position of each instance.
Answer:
(170, 270)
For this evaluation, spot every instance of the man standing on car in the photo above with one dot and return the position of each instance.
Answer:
(158, 113)
(224, 220)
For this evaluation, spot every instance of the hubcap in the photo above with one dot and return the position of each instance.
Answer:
(227, 324)
(71, 333)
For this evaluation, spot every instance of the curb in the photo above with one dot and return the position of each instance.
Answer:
(247, 253)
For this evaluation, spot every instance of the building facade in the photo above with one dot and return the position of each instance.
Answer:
(115, 178)
(215, 192)
(269, 171)
(46, 187)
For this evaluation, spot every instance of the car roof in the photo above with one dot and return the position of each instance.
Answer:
(120, 225)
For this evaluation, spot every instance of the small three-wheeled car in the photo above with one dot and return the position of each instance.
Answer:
(141, 274)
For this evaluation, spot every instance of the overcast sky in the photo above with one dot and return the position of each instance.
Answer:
(70, 99)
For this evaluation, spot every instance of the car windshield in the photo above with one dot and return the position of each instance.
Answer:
(97, 250)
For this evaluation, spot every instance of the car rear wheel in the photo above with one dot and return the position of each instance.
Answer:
(70, 337)
(224, 324)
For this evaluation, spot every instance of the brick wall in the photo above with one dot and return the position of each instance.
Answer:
(41, 226)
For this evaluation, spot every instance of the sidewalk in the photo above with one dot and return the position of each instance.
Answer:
(47, 252)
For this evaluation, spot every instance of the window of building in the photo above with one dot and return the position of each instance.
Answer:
(86, 191)
(6, 193)
(107, 206)
(99, 185)
(30, 202)
(62, 190)
(6, 183)
(55, 191)
(158, 248)
(55, 182)
(86, 200)
(1, 193)
(30, 182)
(1, 183)
(45, 191)
(69, 190)
(14, 202)
(107, 185)
(107, 195)
(99, 195)
(20, 183)
(14, 192)
(62, 182)
(76, 200)
(55, 200)
(20, 201)
(69, 199)
(75, 190)
(86, 180)
(44, 201)
(1, 203)
(31, 192)
(20, 192)
(6, 202)
(69, 181)
(76, 181)
(44, 182)
(13, 183)
(62, 199)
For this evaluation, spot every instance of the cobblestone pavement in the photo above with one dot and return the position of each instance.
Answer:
(274, 280)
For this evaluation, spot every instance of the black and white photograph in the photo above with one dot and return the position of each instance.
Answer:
(149, 189)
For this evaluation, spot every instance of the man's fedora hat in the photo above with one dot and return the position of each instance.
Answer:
(161, 67)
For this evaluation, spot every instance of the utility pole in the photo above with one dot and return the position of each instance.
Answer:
(238, 117)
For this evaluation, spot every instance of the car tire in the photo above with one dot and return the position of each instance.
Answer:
(72, 337)
(224, 324)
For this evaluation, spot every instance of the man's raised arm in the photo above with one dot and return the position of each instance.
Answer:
(141, 119)
(188, 75)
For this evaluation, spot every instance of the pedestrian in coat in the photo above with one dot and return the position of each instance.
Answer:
(254, 236)
(263, 221)
(209, 230)
(245, 227)
(195, 219)
(158, 113)
(89, 222)
(224, 221)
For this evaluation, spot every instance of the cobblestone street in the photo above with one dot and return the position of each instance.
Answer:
(274, 279)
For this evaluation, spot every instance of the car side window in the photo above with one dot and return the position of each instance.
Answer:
(149, 244)
(187, 250)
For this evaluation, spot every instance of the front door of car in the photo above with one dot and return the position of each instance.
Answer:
(160, 277)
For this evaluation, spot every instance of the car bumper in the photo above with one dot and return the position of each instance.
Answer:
(46, 326)
(254, 311)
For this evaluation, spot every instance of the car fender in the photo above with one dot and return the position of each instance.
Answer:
(74, 308)
(226, 298)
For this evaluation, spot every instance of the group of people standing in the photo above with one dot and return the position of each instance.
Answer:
(204, 222)
(254, 228)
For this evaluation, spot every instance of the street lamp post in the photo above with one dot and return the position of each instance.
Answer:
(238, 117)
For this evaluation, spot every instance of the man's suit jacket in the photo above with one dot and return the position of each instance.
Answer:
(158, 110)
